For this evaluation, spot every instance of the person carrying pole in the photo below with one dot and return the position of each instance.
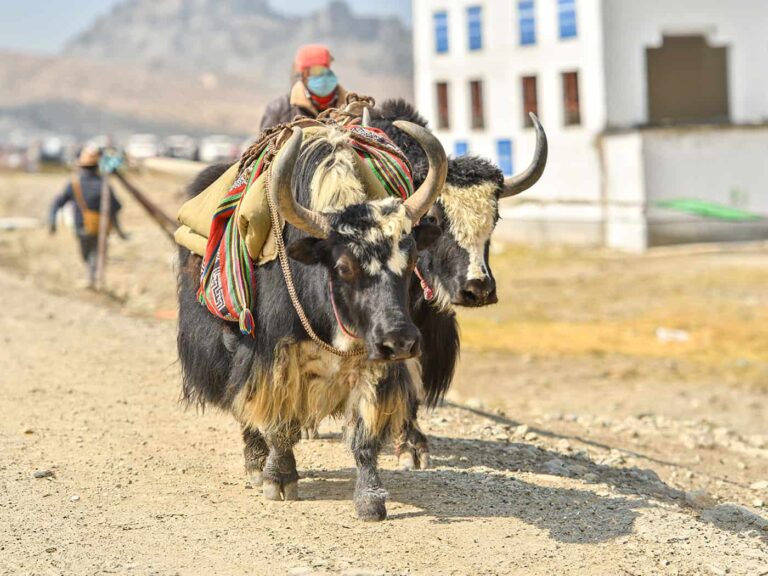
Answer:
(85, 191)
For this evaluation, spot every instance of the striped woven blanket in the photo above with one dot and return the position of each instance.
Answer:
(227, 286)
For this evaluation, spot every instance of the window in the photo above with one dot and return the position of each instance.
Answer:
(441, 32)
(571, 104)
(460, 148)
(475, 22)
(476, 97)
(504, 152)
(527, 22)
(687, 81)
(530, 99)
(566, 11)
(443, 113)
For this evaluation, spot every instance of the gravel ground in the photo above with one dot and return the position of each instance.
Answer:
(619, 460)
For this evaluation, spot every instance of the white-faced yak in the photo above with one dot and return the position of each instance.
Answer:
(351, 261)
(456, 269)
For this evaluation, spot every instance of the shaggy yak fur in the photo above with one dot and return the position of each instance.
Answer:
(279, 381)
(456, 267)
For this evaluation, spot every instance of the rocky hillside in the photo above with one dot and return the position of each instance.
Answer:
(248, 38)
(196, 66)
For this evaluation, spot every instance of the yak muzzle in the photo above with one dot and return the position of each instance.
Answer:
(396, 345)
(477, 292)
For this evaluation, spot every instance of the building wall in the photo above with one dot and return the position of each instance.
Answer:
(720, 165)
(573, 171)
(631, 26)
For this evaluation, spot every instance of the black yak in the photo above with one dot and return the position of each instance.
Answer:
(456, 268)
(352, 264)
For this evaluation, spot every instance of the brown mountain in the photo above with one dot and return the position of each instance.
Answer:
(195, 66)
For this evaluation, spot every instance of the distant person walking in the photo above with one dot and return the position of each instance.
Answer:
(316, 88)
(84, 190)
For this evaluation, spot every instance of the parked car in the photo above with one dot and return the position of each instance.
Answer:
(142, 146)
(58, 150)
(218, 148)
(180, 146)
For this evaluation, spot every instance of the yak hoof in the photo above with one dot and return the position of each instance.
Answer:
(255, 478)
(407, 461)
(291, 491)
(271, 490)
(371, 508)
(309, 433)
(424, 460)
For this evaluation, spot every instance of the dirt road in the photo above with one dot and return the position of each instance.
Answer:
(142, 486)
(590, 455)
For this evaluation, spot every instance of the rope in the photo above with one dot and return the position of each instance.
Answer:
(288, 275)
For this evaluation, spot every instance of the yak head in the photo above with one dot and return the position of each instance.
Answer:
(369, 250)
(467, 211)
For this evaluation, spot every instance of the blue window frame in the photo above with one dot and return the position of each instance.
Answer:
(475, 25)
(527, 16)
(504, 152)
(441, 32)
(566, 11)
(460, 148)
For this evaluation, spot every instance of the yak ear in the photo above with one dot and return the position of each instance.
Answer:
(426, 235)
(308, 250)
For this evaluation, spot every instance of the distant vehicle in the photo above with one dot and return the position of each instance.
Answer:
(57, 150)
(180, 146)
(142, 146)
(218, 148)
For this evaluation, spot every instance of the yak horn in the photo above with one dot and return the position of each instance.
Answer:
(421, 201)
(366, 117)
(313, 223)
(521, 182)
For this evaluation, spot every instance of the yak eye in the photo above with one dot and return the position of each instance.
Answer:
(432, 217)
(345, 271)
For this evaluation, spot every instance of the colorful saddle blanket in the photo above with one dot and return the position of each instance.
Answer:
(227, 286)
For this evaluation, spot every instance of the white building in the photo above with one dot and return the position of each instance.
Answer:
(644, 102)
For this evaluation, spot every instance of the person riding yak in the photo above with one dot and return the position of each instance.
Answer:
(315, 90)
(84, 189)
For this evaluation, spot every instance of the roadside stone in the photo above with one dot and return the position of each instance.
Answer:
(522, 430)
(475, 403)
(757, 503)
(555, 467)
(761, 485)
(699, 499)
(74, 498)
(43, 474)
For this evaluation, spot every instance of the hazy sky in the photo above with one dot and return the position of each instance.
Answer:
(44, 25)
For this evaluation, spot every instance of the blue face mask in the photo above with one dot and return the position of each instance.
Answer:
(323, 84)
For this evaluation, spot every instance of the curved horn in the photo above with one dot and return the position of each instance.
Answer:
(313, 223)
(421, 200)
(366, 117)
(521, 182)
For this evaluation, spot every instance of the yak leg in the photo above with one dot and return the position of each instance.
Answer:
(310, 432)
(280, 475)
(411, 445)
(256, 452)
(370, 495)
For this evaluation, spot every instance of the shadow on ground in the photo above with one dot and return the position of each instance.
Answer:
(456, 491)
